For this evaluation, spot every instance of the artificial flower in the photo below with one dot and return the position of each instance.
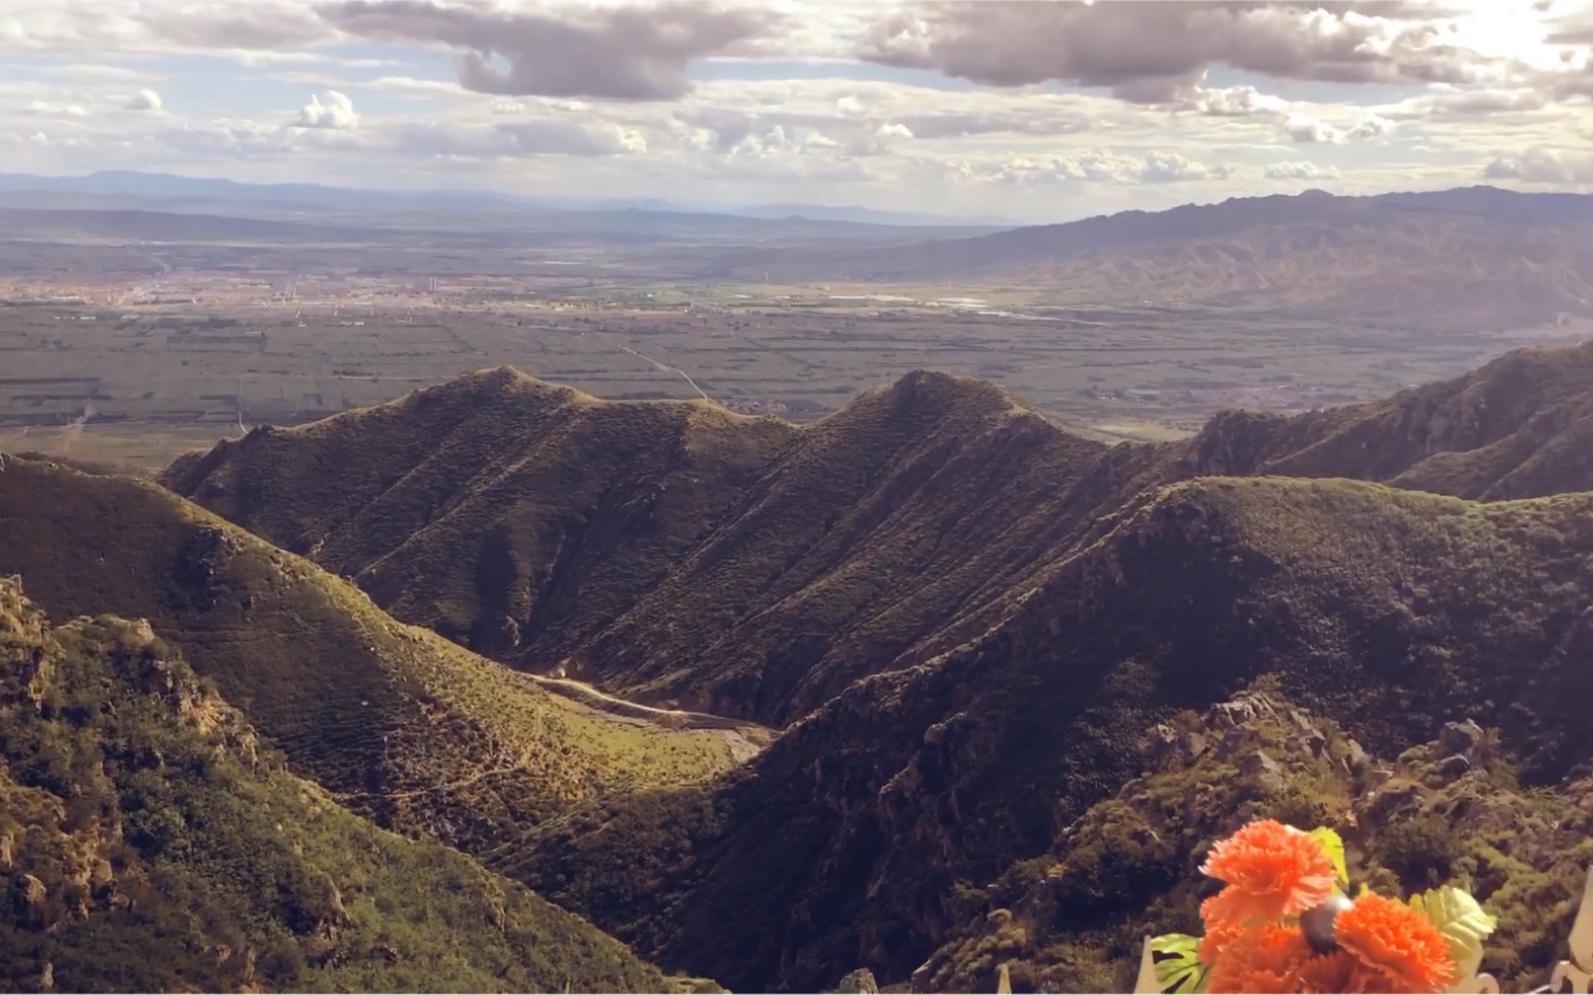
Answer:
(1395, 940)
(1219, 934)
(1340, 972)
(1271, 870)
(1261, 959)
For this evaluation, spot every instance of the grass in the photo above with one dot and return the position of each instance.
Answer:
(967, 616)
(1389, 612)
(158, 845)
(402, 724)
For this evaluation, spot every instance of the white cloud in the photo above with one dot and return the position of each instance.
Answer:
(46, 108)
(1297, 170)
(143, 100)
(1542, 165)
(1099, 166)
(331, 110)
(1375, 126)
(1310, 131)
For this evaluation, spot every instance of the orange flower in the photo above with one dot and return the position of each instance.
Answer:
(1392, 938)
(1339, 972)
(1219, 933)
(1262, 959)
(1272, 870)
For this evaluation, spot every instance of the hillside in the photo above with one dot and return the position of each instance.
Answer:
(967, 619)
(671, 551)
(1452, 259)
(1518, 427)
(396, 722)
(748, 567)
(150, 842)
(866, 835)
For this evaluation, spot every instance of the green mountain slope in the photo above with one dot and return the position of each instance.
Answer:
(746, 567)
(398, 722)
(150, 842)
(850, 841)
(1518, 427)
(534, 512)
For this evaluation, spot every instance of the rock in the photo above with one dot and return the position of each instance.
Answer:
(32, 890)
(1237, 740)
(1159, 743)
(1258, 764)
(7, 852)
(1356, 756)
(1453, 768)
(1463, 738)
(47, 977)
(1190, 747)
(1387, 804)
(859, 982)
(1309, 740)
(1229, 714)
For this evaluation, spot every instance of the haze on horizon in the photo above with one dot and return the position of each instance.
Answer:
(1023, 111)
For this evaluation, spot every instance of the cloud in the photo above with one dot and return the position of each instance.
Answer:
(618, 53)
(1375, 126)
(513, 139)
(1466, 104)
(250, 25)
(1297, 170)
(1233, 101)
(1540, 165)
(409, 86)
(1310, 131)
(1155, 51)
(56, 110)
(1097, 166)
(331, 110)
(143, 100)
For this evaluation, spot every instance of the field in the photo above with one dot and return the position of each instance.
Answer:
(118, 349)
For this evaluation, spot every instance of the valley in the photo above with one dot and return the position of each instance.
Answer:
(210, 324)
(693, 633)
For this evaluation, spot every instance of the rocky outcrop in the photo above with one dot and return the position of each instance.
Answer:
(1071, 919)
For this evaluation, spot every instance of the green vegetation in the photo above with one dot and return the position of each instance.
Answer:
(397, 722)
(974, 615)
(150, 842)
(1389, 612)
(1055, 925)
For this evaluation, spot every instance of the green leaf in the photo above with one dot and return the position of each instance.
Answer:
(1178, 966)
(1335, 850)
(1462, 921)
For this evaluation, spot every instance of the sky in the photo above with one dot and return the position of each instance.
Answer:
(1028, 111)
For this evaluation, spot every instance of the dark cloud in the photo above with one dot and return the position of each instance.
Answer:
(238, 25)
(1155, 52)
(624, 53)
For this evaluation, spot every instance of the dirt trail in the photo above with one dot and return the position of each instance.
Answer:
(746, 739)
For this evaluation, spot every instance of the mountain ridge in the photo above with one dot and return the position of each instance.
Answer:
(922, 763)
(798, 559)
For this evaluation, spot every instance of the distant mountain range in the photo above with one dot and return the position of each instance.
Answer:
(1478, 256)
(167, 186)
